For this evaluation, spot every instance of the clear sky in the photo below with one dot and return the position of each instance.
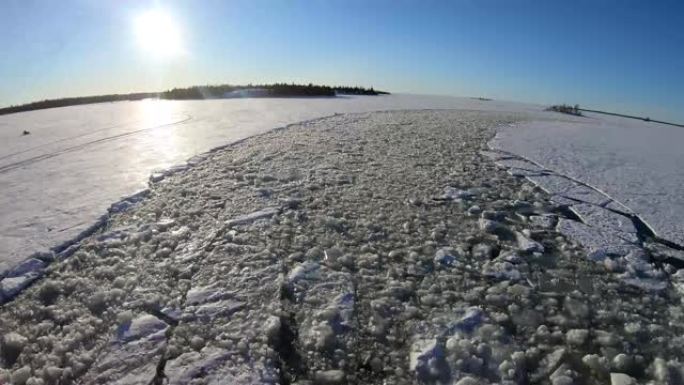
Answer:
(622, 55)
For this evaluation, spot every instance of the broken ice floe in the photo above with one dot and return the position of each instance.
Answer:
(131, 356)
(143, 326)
(218, 366)
(527, 245)
(20, 277)
(252, 217)
(158, 176)
(447, 256)
(608, 230)
(452, 193)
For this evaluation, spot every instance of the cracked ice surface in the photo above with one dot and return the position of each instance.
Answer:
(365, 274)
(636, 163)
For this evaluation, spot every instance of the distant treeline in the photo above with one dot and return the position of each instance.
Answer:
(264, 90)
(576, 110)
(644, 118)
(203, 92)
(52, 103)
(572, 110)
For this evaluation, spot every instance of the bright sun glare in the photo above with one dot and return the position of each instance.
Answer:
(158, 34)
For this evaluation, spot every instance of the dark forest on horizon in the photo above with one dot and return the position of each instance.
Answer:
(203, 92)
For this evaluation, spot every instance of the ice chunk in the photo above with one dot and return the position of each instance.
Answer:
(527, 245)
(621, 379)
(141, 327)
(216, 366)
(303, 271)
(543, 221)
(251, 217)
(549, 364)
(131, 357)
(32, 265)
(204, 294)
(426, 359)
(21, 375)
(647, 284)
(11, 346)
(468, 323)
(220, 308)
(453, 193)
(329, 377)
(11, 286)
(501, 270)
(446, 256)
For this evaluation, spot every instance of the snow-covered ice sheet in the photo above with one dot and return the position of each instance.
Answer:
(61, 178)
(636, 163)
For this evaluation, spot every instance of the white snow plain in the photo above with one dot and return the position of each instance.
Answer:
(59, 180)
(636, 163)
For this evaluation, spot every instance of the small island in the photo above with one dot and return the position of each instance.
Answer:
(224, 91)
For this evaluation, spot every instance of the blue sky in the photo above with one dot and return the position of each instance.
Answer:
(623, 56)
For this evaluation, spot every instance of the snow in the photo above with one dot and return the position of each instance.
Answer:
(58, 181)
(636, 163)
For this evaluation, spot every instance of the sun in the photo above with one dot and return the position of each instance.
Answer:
(158, 34)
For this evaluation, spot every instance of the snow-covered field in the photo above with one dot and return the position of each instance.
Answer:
(636, 164)
(57, 181)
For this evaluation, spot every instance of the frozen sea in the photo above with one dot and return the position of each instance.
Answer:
(78, 160)
(638, 164)
(61, 178)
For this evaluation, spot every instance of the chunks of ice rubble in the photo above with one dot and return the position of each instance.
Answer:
(251, 217)
(501, 270)
(467, 380)
(488, 225)
(329, 377)
(427, 359)
(621, 379)
(471, 320)
(208, 302)
(646, 284)
(21, 375)
(165, 223)
(143, 326)
(11, 346)
(157, 176)
(218, 366)
(639, 272)
(452, 193)
(11, 286)
(224, 307)
(527, 245)
(446, 256)
(599, 242)
(576, 337)
(128, 202)
(28, 266)
(18, 278)
(678, 280)
(132, 354)
(548, 365)
(543, 221)
(303, 271)
(204, 294)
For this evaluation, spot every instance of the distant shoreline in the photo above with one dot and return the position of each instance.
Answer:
(645, 119)
(200, 93)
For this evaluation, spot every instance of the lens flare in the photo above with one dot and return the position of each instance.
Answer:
(158, 34)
